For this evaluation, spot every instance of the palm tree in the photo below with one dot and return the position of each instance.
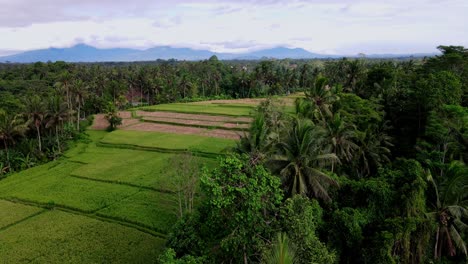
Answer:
(56, 115)
(35, 111)
(10, 126)
(80, 92)
(63, 85)
(341, 138)
(373, 152)
(322, 95)
(282, 252)
(256, 143)
(450, 210)
(301, 155)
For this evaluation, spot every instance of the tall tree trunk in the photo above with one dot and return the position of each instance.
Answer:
(78, 118)
(39, 137)
(57, 137)
(7, 153)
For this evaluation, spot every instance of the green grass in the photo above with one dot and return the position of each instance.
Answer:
(167, 141)
(54, 187)
(213, 109)
(154, 210)
(111, 204)
(141, 168)
(60, 237)
(12, 213)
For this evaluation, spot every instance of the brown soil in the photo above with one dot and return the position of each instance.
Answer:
(184, 130)
(100, 122)
(193, 122)
(125, 114)
(163, 114)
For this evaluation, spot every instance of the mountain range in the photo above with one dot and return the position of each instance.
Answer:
(85, 53)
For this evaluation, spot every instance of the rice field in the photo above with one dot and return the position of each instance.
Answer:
(110, 199)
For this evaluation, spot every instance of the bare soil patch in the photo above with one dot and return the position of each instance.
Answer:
(101, 123)
(164, 114)
(193, 122)
(184, 130)
(125, 114)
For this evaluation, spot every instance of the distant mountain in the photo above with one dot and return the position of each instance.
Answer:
(85, 53)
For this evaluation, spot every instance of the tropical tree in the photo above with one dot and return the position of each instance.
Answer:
(80, 93)
(282, 252)
(57, 113)
(450, 211)
(341, 138)
(10, 126)
(112, 116)
(322, 96)
(35, 111)
(300, 158)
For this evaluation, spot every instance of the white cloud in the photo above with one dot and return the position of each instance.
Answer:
(345, 27)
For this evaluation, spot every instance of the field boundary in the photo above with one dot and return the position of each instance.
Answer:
(122, 183)
(23, 219)
(190, 112)
(95, 215)
(157, 149)
(186, 118)
(194, 125)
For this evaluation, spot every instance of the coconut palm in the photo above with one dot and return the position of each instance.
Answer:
(301, 155)
(257, 142)
(35, 111)
(322, 95)
(450, 210)
(373, 152)
(80, 93)
(341, 137)
(57, 113)
(282, 252)
(10, 126)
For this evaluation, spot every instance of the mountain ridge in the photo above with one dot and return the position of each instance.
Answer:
(86, 53)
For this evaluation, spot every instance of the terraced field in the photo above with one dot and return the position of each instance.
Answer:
(108, 200)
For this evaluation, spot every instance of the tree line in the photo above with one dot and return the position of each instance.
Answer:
(42, 104)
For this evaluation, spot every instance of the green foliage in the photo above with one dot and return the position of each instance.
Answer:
(438, 89)
(169, 257)
(112, 117)
(236, 215)
(241, 200)
(282, 251)
(300, 219)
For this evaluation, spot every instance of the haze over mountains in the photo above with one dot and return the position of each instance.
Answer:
(85, 53)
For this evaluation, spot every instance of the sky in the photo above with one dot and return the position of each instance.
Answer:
(320, 26)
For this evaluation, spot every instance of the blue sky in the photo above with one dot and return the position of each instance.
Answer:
(321, 26)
